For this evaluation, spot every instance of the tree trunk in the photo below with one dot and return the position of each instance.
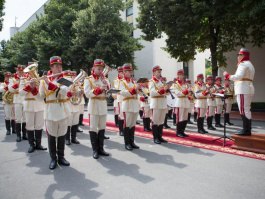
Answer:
(213, 47)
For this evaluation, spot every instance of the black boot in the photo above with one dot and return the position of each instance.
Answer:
(155, 134)
(18, 131)
(73, 134)
(126, 132)
(246, 131)
(160, 133)
(52, 151)
(174, 119)
(200, 123)
(60, 151)
(38, 135)
(81, 120)
(94, 143)
(170, 114)
(218, 121)
(24, 132)
(146, 123)
(101, 150)
(132, 132)
(141, 113)
(189, 121)
(165, 122)
(179, 130)
(13, 125)
(210, 123)
(31, 141)
(8, 127)
(116, 119)
(121, 122)
(184, 128)
(195, 116)
(227, 119)
(67, 136)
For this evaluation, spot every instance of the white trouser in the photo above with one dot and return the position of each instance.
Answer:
(9, 111)
(228, 108)
(58, 128)
(218, 109)
(117, 110)
(191, 109)
(81, 109)
(34, 120)
(244, 104)
(73, 119)
(130, 119)
(158, 116)
(97, 122)
(181, 114)
(121, 116)
(201, 112)
(19, 113)
(210, 111)
(146, 112)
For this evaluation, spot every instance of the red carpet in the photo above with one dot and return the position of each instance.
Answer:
(194, 140)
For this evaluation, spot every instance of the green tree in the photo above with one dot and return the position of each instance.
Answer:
(55, 35)
(192, 25)
(101, 33)
(2, 2)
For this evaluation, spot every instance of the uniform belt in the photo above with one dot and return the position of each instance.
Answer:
(246, 79)
(30, 99)
(57, 101)
(158, 97)
(98, 98)
(201, 98)
(182, 96)
(129, 98)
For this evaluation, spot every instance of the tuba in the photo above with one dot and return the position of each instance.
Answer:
(8, 97)
(32, 70)
(77, 98)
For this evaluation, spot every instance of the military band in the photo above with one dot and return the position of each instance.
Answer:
(32, 102)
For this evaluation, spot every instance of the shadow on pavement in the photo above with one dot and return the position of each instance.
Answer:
(74, 183)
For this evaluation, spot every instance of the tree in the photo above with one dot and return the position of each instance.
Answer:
(192, 25)
(56, 31)
(2, 2)
(101, 33)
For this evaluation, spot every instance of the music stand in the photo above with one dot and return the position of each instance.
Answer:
(223, 97)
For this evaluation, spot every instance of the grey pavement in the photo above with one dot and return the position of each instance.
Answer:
(155, 171)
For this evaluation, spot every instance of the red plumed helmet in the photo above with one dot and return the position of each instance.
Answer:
(155, 68)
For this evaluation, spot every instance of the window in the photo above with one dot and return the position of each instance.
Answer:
(186, 69)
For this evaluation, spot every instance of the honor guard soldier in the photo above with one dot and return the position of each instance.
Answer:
(130, 106)
(211, 104)
(81, 108)
(158, 104)
(34, 108)
(95, 87)
(201, 93)
(191, 99)
(74, 100)
(119, 120)
(13, 87)
(195, 111)
(144, 99)
(8, 105)
(182, 103)
(218, 100)
(229, 90)
(166, 126)
(244, 89)
(56, 111)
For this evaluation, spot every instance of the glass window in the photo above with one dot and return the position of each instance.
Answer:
(186, 69)
(129, 11)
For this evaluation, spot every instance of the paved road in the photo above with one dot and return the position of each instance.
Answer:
(154, 171)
